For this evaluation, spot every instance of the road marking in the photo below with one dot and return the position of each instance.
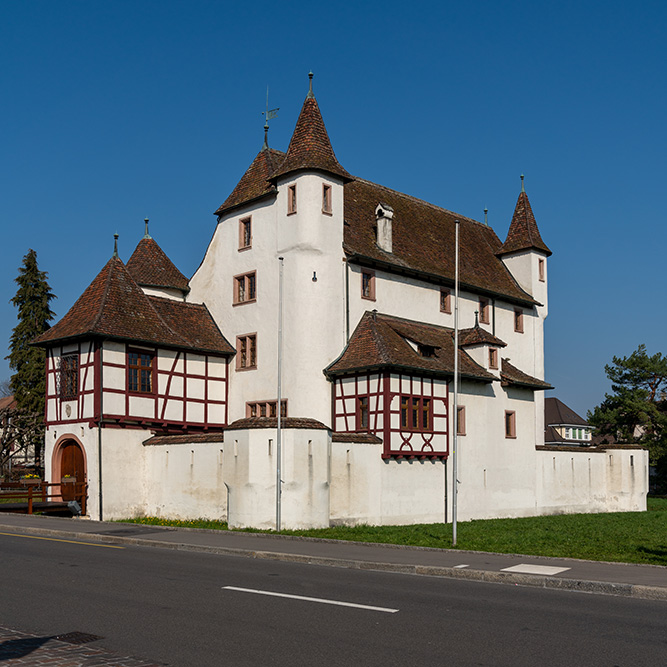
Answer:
(307, 599)
(460, 567)
(53, 539)
(525, 568)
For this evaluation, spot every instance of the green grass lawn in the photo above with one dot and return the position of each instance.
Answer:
(630, 537)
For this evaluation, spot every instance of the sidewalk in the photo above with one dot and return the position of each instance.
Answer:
(630, 580)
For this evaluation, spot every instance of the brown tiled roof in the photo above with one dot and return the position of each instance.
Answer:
(556, 412)
(255, 182)
(551, 435)
(381, 341)
(523, 233)
(510, 375)
(310, 147)
(150, 267)
(7, 402)
(424, 242)
(114, 306)
(272, 422)
(363, 438)
(194, 438)
(479, 336)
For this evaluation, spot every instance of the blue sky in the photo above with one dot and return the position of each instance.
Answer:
(114, 111)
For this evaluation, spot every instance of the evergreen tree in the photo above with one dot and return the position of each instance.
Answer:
(32, 299)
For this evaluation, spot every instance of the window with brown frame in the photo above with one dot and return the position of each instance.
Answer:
(368, 285)
(246, 352)
(460, 420)
(484, 311)
(510, 424)
(245, 288)
(540, 269)
(326, 199)
(493, 357)
(140, 371)
(245, 233)
(68, 377)
(291, 199)
(266, 409)
(445, 301)
(518, 320)
(416, 413)
(362, 413)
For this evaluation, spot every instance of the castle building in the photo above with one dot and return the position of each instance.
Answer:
(165, 393)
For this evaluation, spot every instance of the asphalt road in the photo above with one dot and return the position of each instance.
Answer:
(183, 608)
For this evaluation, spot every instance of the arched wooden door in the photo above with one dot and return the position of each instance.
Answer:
(72, 466)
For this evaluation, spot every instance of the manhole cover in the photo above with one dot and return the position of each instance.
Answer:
(77, 638)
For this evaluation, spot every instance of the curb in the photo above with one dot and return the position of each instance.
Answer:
(538, 581)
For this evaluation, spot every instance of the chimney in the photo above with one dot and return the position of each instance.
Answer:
(383, 216)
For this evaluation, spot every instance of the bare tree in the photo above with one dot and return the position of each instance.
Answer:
(5, 388)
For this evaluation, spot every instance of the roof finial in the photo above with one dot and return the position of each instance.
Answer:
(486, 216)
(310, 95)
(522, 188)
(115, 245)
(146, 234)
(269, 114)
(476, 318)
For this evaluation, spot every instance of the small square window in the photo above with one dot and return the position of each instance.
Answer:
(266, 409)
(291, 199)
(445, 301)
(460, 420)
(245, 233)
(245, 288)
(484, 311)
(518, 320)
(246, 352)
(510, 424)
(493, 357)
(368, 285)
(326, 199)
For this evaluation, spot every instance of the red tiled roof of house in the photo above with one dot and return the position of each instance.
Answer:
(424, 242)
(523, 233)
(272, 422)
(510, 375)
(114, 306)
(384, 341)
(7, 402)
(255, 183)
(366, 438)
(310, 147)
(479, 336)
(185, 439)
(557, 413)
(150, 267)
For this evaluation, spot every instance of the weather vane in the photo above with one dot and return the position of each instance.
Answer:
(269, 114)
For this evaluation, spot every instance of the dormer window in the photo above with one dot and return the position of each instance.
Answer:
(326, 199)
(426, 350)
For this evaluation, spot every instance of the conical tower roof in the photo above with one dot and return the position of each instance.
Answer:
(150, 267)
(310, 147)
(523, 233)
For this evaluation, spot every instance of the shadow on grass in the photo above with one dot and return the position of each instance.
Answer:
(658, 554)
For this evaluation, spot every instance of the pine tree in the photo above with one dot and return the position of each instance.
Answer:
(32, 299)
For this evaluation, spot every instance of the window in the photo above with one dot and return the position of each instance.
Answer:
(246, 352)
(493, 357)
(362, 413)
(245, 233)
(568, 432)
(326, 199)
(460, 420)
(518, 320)
(484, 311)
(540, 269)
(140, 372)
(416, 413)
(510, 424)
(68, 377)
(266, 409)
(368, 285)
(445, 301)
(291, 199)
(245, 288)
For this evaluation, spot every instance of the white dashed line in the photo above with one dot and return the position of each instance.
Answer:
(460, 567)
(525, 568)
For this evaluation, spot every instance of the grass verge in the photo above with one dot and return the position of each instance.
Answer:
(628, 537)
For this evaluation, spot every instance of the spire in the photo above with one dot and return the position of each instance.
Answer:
(115, 245)
(146, 234)
(523, 233)
(310, 147)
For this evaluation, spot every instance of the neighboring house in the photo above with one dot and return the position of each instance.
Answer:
(163, 392)
(563, 426)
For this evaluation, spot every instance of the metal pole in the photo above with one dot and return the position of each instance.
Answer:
(455, 417)
(279, 406)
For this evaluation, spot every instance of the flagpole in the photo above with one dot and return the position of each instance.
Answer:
(455, 416)
(279, 403)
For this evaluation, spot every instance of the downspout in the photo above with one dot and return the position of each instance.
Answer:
(347, 301)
